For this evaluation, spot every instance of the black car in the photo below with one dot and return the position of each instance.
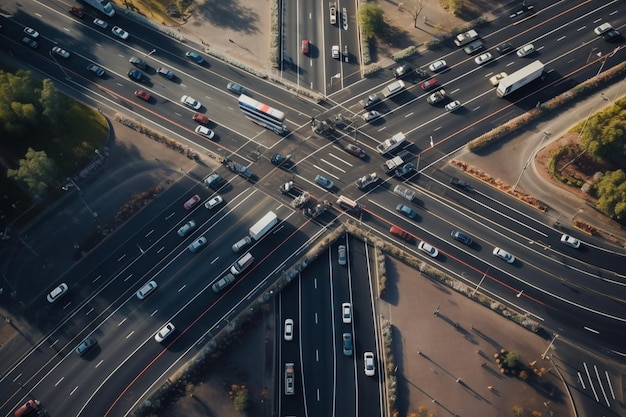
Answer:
(402, 71)
(371, 101)
(611, 35)
(405, 170)
(214, 181)
(461, 237)
(504, 48)
(138, 62)
(135, 74)
(32, 43)
(282, 161)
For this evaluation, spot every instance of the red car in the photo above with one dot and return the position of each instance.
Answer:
(429, 84)
(191, 203)
(77, 12)
(401, 233)
(144, 95)
(354, 150)
(200, 118)
(305, 46)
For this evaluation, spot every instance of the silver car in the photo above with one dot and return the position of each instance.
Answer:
(187, 227)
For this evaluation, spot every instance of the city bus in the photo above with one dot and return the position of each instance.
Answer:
(262, 114)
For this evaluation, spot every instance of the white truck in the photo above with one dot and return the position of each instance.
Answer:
(103, 6)
(437, 96)
(396, 162)
(260, 228)
(333, 13)
(391, 144)
(520, 78)
(465, 38)
(393, 88)
(366, 180)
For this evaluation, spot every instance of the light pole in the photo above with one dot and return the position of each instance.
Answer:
(67, 77)
(338, 75)
(70, 184)
(543, 355)
(545, 135)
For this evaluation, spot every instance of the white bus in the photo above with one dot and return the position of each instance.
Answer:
(262, 114)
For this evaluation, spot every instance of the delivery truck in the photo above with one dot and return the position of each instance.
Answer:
(260, 228)
(520, 78)
(390, 144)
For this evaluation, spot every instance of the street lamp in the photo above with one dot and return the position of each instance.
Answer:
(338, 75)
(67, 77)
(543, 355)
(71, 184)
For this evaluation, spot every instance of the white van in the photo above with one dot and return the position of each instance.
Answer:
(242, 263)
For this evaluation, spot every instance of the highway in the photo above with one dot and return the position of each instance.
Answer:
(560, 287)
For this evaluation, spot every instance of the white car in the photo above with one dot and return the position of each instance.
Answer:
(525, 50)
(205, 131)
(187, 227)
(31, 32)
(483, 58)
(197, 244)
(438, 66)
(144, 291)
(101, 23)
(346, 313)
(342, 259)
(57, 293)
(334, 52)
(570, 241)
(452, 106)
(214, 202)
(369, 366)
(162, 334)
(190, 102)
(495, 80)
(504, 255)
(370, 115)
(61, 52)
(119, 32)
(429, 249)
(604, 27)
(289, 330)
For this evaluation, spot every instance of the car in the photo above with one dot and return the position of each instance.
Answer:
(504, 48)
(214, 181)
(200, 118)
(341, 255)
(223, 282)
(483, 58)
(31, 32)
(495, 80)
(370, 101)
(99, 71)
(333, 14)
(611, 35)
(138, 62)
(438, 66)
(288, 330)
(429, 84)
(191, 203)
(235, 88)
(241, 243)
(191, 102)
(354, 150)
(369, 366)
(119, 32)
(604, 27)
(407, 211)
(370, 115)
(30, 42)
(347, 344)
(101, 23)
(282, 161)
(164, 72)
(205, 131)
(77, 12)
(135, 74)
(165, 331)
(197, 244)
(428, 248)
(525, 50)
(194, 56)
(405, 170)
(57, 293)
(346, 55)
(146, 290)
(570, 241)
(402, 71)
(186, 228)
(346, 313)
(453, 105)
(473, 47)
(461, 237)
(504, 255)
(86, 346)
(324, 182)
(144, 95)
(401, 233)
(334, 51)
(214, 202)
(61, 52)
(305, 46)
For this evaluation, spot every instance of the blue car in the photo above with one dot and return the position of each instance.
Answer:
(407, 211)
(195, 56)
(135, 74)
(324, 182)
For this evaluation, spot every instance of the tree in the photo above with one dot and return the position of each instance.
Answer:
(18, 99)
(414, 10)
(372, 20)
(604, 134)
(511, 359)
(611, 191)
(55, 104)
(36, 171)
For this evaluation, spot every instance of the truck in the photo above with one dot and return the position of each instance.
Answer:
(317, 209)
(396, 162)
(520, 78)
(366, 180)
(465, 38)
(393, 88)
(391, 144)
(290, 379)
(260, 228)
(223, 282)
(301, 200)
(333, 13)
(103, 6)
(437, 96)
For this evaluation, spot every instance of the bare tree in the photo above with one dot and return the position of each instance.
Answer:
(414, 11)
